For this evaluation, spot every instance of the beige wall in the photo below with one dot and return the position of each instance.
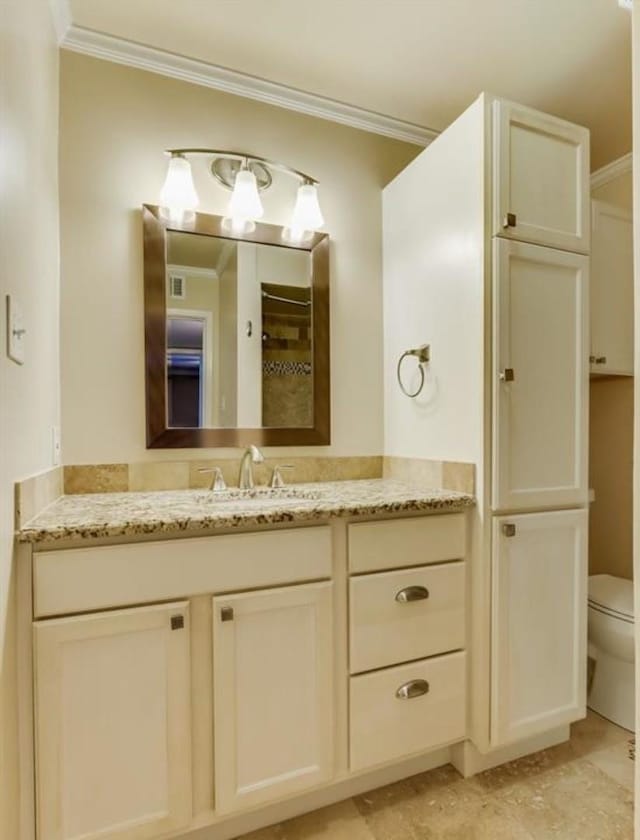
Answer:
(115, 123)
(28, 270)
(611, 449)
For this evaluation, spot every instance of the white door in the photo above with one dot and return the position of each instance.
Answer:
(541, 377)
(539, 631)
(541, 179)
(611, 290)
(273, 693)
(113, 732)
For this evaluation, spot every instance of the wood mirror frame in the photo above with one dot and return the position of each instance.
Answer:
(159, 435)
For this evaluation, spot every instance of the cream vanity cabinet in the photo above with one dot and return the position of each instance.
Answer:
(407, 637)
(539, 634)
(180, 683)
(486, 242)
(541, 178)
(540, 380)
(110, 685)
(273, 693)
(611, 290)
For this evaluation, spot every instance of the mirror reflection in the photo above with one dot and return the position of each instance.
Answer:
(239, 334)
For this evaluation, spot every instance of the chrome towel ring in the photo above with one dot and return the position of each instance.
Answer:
(423, 355)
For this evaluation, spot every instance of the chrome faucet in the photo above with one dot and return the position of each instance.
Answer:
(251, 456)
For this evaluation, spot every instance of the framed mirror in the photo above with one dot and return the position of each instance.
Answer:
(236, 335)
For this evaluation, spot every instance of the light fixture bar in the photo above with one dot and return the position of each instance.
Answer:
(241, 156)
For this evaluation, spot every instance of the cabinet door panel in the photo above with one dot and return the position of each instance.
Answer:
(539, 648)
(611, 290)
(113, 724)
(273, 695)
(541, 177)
(540, 377)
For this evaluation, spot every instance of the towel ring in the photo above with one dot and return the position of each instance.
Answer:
(423, 355)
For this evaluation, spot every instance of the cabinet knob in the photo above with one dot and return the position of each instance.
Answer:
(509, 529)
(412, 593)
(599, 360)
(411, 689)
(226, 614)
(177, 622)
(507, 375)
(509, 221)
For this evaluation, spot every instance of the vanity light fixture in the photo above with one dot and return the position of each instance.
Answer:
(246, 176)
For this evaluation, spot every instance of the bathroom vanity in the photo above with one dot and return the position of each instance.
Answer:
(240, 650)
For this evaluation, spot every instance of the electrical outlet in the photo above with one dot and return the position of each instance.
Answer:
(55, 445)
(15, 331)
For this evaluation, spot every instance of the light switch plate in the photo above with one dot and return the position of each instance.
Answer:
(15, 331)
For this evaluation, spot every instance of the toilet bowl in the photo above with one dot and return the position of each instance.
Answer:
(611, 692)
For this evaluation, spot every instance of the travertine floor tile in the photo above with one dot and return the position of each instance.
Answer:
(573, 801)
(337, 822)
(615, 762)
(595, 733)
(582, 790)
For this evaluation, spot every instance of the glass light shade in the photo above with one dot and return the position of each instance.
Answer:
(245, 201)
(178, 193)
(306, 212)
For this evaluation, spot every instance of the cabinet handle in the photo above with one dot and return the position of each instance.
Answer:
(177, 622)
(412, 593)
(509, 529)
(507, 375)
(226, 614)
(509, 220)
(600, 360)
(414, 688)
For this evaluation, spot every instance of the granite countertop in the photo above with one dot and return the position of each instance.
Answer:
(99, 515)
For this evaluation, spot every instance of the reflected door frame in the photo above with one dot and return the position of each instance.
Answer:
(206, 380)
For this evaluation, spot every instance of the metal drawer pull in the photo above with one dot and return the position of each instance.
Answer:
(415, 688)
(412, 593)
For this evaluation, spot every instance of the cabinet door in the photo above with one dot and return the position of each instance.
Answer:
(113, 732)
(611, 290)
(541, 179)
(541, 377)
(539, 647)
(273, 693)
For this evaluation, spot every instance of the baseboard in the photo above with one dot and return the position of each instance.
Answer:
(469, 761)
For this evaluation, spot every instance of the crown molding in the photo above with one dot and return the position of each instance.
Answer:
(62, 21)
(611, 171)
(119, 50)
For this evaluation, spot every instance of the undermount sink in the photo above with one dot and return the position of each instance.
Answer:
(260, 494)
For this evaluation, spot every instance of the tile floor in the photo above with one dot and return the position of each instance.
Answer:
(581, 790)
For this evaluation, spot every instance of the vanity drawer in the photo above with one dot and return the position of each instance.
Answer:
(398, 616)
(409, 709)
(397, 543)
(85, 579)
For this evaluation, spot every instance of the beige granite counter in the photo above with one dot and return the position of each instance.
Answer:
(99, 515)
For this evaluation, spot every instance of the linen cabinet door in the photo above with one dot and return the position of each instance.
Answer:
(541, 179)
(611, 290)
(113, 728)
(541, 377)
(539, 628)
(273, 693)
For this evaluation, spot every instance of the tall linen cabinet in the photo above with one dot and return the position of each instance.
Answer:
(486, 244)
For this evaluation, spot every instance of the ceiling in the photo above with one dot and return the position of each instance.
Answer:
(419, 60)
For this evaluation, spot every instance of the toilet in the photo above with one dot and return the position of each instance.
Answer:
(611, 692)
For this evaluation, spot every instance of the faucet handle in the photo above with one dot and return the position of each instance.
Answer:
(276, 477)
(217, 482)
